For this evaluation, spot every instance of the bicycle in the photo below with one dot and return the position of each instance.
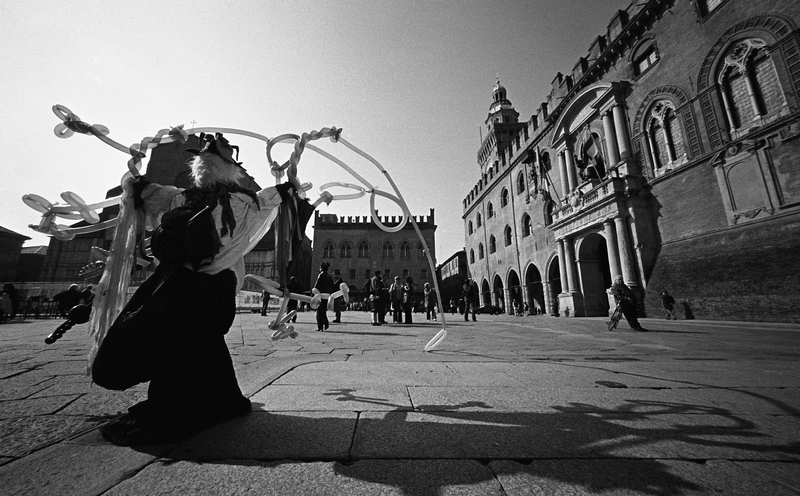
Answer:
(616, 315)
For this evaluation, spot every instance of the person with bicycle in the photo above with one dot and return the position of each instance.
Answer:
(626, 299)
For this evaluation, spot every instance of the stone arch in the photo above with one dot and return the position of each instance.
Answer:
(772, 28)
(515, 290)
(553, 275)
(534, 289)
(486, 293)
(674, 94)
(498, 292)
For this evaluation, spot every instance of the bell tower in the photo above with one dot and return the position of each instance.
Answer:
(502, 123)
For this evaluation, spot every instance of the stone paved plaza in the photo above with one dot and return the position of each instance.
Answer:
(506, 406)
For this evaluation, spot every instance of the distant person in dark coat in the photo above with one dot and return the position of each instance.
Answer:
(325, 285)
(376, 287)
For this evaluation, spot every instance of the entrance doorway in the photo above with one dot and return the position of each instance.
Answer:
(595, 274)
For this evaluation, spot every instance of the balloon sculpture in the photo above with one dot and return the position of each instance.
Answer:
(112, 289)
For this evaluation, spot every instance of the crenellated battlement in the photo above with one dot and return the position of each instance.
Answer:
(364, 220)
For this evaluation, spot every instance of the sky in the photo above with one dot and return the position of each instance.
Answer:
(409, 82)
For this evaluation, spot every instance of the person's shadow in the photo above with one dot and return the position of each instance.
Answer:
(687, 310)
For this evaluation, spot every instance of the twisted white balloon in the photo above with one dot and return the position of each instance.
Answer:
(76, 208)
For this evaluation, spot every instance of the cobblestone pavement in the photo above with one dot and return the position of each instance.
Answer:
(506, 405)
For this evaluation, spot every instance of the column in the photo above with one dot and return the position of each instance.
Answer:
(748, 79)
(569, 260)
(667, 141)
(726, 102)
(613, 251)
(547, 291)
(562, 169)
(572, 176)
(651, 150)
(627, 265)
(562, 266)
(611, 139)
(622, 131)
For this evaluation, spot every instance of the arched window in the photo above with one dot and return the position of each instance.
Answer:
(420, 251)
(489, 211)
(368, 273)
(388, 250)
(480, 251)
(549, 208)
(469, 227)
(423, 274)
(479, 220)
(327, 249)
(345, 249)
(352, 274)
(363, 250)
(644, 57)
(405, 249)
(492, 244)
(527, 225)
(507, 235)
(520, 183)
(705, 7)
(471, 256)
(664, 135)
(504, 198)
(749, 86)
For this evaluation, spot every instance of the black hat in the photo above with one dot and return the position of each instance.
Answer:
(218, 145)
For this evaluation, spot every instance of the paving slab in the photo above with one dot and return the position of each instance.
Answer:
(22, 436)
(328, 398)
(364, 478)
(627, 477)
(72, 469)
(274, 436)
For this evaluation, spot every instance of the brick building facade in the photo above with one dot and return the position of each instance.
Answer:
(357, 247)
(669, 155)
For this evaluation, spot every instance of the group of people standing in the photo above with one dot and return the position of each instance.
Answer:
(398, 298)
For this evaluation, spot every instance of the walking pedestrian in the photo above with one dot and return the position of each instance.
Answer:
(325, 285)
(429, 296)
